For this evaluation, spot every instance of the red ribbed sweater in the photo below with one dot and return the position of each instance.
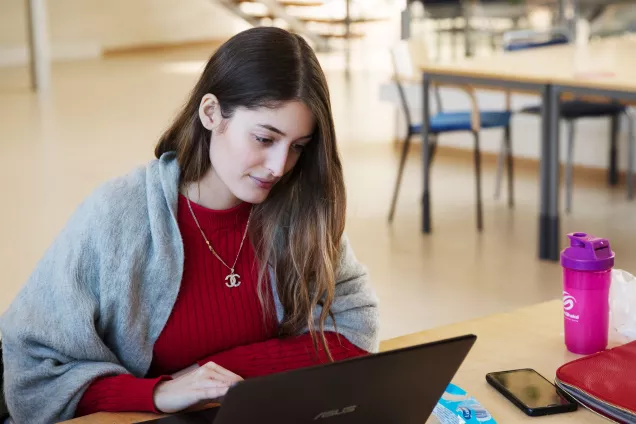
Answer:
(211, 322)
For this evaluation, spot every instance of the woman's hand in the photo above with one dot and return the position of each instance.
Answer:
(196, 385)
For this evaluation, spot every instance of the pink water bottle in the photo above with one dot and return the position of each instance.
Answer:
(587, 266)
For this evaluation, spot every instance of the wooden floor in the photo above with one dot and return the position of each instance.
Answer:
(103, 118)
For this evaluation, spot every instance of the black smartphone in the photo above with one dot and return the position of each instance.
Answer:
(531, 392)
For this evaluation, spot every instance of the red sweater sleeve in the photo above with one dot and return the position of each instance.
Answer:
(277, 355)
(121, 393)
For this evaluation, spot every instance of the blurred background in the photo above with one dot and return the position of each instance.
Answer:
(87, 87)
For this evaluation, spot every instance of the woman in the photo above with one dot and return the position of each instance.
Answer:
(222, 259)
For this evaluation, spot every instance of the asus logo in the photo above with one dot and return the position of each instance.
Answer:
(336, 412)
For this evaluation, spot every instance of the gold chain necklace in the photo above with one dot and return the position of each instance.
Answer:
(233, 279)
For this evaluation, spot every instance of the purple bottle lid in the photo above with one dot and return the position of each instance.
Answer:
(587, 253)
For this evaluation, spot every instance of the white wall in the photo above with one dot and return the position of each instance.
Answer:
(83, 28)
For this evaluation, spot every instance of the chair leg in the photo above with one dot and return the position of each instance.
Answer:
(480, 222)
(613, 165)
(500, 166)
(568, 168)
(398, 180)
(630, 156)
(511, 180)
(432, 148)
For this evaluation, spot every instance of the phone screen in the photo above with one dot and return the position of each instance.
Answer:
(530, 388)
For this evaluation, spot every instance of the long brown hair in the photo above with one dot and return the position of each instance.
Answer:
(297, 230)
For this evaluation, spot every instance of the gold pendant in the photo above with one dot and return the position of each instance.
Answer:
(233, 280)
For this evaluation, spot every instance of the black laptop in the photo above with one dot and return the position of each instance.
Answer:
(400, 386)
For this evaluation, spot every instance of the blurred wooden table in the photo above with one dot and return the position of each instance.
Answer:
(601, 69)
(527, 338)
(606, 64)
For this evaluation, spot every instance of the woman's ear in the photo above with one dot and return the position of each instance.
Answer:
(210, 112)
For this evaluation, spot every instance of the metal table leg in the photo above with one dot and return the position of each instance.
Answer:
(549, 228)
(426, 206)
(613, 153)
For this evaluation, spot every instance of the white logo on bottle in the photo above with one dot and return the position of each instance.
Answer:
(569, 302)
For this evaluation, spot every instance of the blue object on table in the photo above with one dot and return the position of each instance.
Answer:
(455, 406)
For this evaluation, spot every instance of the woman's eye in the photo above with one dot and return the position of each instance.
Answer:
(263, 140)
(298, 147)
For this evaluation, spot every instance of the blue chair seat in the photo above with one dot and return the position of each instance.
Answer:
(533, 43)
(461, 121)
(575, 109)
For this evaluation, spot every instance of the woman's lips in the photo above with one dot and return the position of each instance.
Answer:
(262, 183)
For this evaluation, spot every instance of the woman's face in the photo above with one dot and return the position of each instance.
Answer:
(251, 151)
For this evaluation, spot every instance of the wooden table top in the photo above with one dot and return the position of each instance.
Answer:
(531, 337)
(609, 64)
